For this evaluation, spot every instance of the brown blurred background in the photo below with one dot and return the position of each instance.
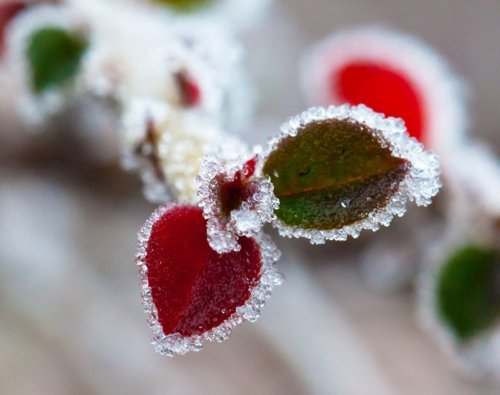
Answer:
(71, 321)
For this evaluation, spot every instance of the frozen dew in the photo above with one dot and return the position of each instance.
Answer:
(245, 221)
(345, 203)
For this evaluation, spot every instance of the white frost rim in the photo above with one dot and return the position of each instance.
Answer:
(175, 343)
(248, 220)
(419, 185)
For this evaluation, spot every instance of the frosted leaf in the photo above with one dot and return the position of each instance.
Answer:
(175, 343)
(478, 356)
(473, 180)
(440, 93)
(418, 180)
(36, 107)
(234, 201)
(166, 147)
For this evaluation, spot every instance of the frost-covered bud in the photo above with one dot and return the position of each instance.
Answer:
(235, 200)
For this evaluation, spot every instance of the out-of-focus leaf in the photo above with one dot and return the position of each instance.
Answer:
(186, 5)
(468, 293)
(332, 174)
(54, 56)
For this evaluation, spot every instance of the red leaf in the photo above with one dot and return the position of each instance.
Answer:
(392, 73)
(195, 289)
(383, 89)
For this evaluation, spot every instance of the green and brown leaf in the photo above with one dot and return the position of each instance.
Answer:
(332, 174)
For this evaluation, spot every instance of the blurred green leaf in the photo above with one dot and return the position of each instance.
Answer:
(332, 174)
(186, 5)
(54, 55)
(467, 291)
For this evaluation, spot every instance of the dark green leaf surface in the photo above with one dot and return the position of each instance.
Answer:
(185, 5)
(468, 293)
(332, 174)
(54, 56)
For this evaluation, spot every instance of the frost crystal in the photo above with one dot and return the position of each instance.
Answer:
(234, 201)
(167, 145)
(420, 184)
(250, 311)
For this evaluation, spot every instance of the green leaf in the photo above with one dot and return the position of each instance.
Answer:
(54, 56)
(468, 293)
(333, 173)
(185, 5)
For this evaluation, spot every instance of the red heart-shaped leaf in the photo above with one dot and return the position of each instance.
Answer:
(191, 292)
